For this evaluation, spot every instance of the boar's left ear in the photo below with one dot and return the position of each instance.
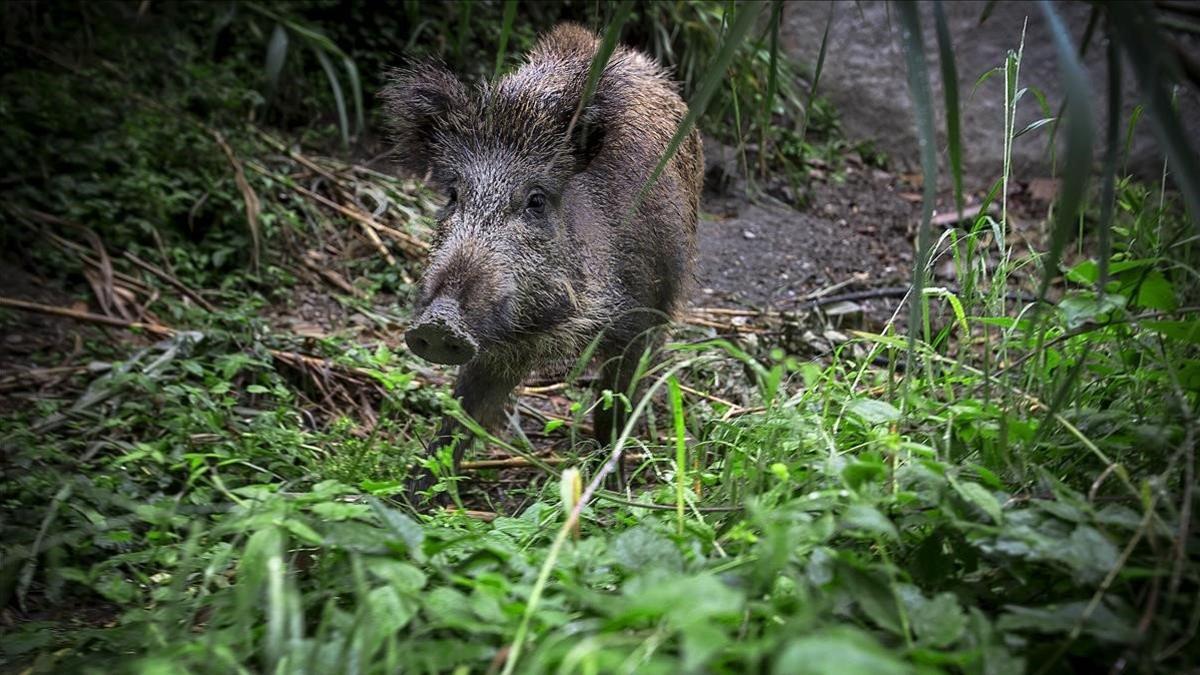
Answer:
(421, 101)
(587, 135)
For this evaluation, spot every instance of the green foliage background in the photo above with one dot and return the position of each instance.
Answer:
(1019, 498)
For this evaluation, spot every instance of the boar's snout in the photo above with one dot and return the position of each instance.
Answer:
(438, 334)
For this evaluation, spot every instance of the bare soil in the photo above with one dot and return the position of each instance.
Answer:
(856, 233)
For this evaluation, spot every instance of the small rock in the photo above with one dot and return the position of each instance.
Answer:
(749, 235)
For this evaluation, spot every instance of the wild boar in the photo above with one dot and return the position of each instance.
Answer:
(544, 244)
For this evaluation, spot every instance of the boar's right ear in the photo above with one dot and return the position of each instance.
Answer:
(419, 102)
(587, 134)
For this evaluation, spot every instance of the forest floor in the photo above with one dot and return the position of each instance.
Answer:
(853, 237)
(758, 259)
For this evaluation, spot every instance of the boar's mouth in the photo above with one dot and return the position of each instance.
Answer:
(439, 334)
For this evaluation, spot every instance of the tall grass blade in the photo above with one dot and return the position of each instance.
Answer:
(510, 12)
(543, 578)
(1084, 43)
(676, 395)
(600, 61)
(1079, 131)
(277, 50)
(355, 92)
(742, 23)
(768, 104)
(950, 94)
(464, 27)
(1109, 176)
(339, 100)
(812, 88)
(988, 8)
(322, 46)
(918, 85)
(1134, 26)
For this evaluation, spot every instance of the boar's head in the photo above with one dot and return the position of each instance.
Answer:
(510, 158)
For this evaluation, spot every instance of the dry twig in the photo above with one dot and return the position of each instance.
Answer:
(249, 197)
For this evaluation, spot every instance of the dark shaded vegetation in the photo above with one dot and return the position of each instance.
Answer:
(1001, 486)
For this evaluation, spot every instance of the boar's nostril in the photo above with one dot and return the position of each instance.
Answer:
(438, 335)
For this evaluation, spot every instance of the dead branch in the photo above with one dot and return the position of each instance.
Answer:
(172, 281)
(249, 197)
(521, 462)
(37, 308)
(312, 261)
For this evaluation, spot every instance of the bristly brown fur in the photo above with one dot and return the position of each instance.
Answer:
(536, 289)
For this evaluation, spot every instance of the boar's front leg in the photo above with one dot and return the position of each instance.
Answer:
(617, 374)
(483, 390)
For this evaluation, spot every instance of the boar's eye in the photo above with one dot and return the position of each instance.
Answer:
(453, 195)
(535, 203)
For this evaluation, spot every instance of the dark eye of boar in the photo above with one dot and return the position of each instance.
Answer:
(453, 195)
(535, 204)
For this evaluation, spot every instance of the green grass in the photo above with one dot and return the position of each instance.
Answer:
(1018, 497)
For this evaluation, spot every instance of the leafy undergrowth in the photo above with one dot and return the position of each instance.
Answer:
(222, 488)
(190, 514)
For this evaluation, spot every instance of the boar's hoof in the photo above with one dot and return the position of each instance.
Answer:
(438, 335)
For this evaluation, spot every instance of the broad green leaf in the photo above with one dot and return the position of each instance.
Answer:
(1089, 552)
(842, 650)
(683, 600)
(340, 510)
(452, 609)
(869, 519)
(1082, 307)
(938, 622)
(401, 525)
(399, 574)
(1186, 331)
(873, 411)
(1085, 273)
(388, 611)
(873, 594)
(863, 470)
(1156, 292)
(303, 532)
(981, 497)
(1103, 624)
(640, 548)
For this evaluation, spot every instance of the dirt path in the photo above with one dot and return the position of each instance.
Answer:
(857, 232)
